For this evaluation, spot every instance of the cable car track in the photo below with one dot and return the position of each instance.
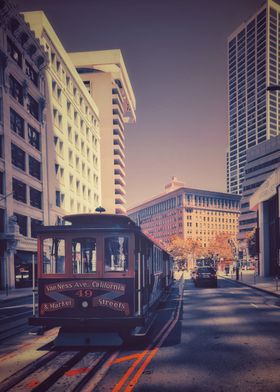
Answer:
(81, 370)
(57, 371)
(14, 331)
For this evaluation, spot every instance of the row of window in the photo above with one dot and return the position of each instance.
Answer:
(263, 165)
(18, 92)
(19, 160)
(63, 75)
(16, 55)
(20, 194)
(84, 259)
(22, 221)
(207, 201)
(17, 125)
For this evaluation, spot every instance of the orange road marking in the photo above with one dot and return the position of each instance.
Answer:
(32, 384)
(127, 358)
(124, 378)
(165, 331)
(135, 379)
(75, 372)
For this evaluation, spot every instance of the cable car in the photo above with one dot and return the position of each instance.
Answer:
(99, 273)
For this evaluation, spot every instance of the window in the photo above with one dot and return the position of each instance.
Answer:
(14, 52)
(35, 223)
(2, 186)
(16, 89)
(22, 223)
(35, 198)
(16, 123)
(116, 253)
(57, 199)
(83, 255)
(53, 256)
(33, 137)
(31, 73)
(87, 84)
(32, 107)
(19, 190)
(34, 168)
(18, 157)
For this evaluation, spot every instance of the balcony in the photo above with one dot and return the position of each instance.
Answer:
(119, 180)
(117, 105)
(120, 200)
(119, 161)
(118, 170)
(119, 132)
(118, 122)
(119, 151)
(118, 142)
(116, 93)
(119, 190)
(120, 210)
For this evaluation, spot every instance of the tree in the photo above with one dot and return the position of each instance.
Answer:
(253, 246)
(184, 250)
(221, 247)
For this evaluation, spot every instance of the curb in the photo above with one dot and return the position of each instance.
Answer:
(253, 287)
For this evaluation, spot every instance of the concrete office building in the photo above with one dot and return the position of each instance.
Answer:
(253, 64)
(72, 127)
(24, 197)
(266, 200)
(261, 161)
(106, 78)
(189, 213)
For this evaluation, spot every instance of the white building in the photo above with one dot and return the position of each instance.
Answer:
(72, 127)
(253, 65)
(106, 78)
(23, 154)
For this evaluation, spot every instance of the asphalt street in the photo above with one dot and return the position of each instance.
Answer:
(227, 339)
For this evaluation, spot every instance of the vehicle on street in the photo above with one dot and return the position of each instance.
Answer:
(205, 276)
(100, 273)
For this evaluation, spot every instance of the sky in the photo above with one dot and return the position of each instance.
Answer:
(175, 53)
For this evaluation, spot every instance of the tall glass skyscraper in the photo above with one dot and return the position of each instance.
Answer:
(253, 65)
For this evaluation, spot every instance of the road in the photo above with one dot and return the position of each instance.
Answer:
(227, 339)
(14, 315)
(204, 339)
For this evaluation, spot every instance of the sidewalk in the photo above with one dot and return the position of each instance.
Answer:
(248, 278)
(15, 293)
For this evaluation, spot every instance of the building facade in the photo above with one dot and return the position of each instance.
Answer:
(73, 129)
(266, 200)
(106, 78)
(23, 154)
(188, 213)
(253, 65)
(261, 161)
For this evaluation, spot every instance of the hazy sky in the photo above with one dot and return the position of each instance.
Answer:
(175, 52)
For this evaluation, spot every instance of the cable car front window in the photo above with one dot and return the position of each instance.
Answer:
(116, 254)
(84, 255)
(53, 256)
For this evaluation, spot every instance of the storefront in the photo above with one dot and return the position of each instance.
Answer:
(24, 268)
(266, 200)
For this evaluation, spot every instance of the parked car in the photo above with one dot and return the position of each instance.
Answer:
(205, 276)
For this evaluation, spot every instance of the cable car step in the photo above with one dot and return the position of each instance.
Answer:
(86, 339)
